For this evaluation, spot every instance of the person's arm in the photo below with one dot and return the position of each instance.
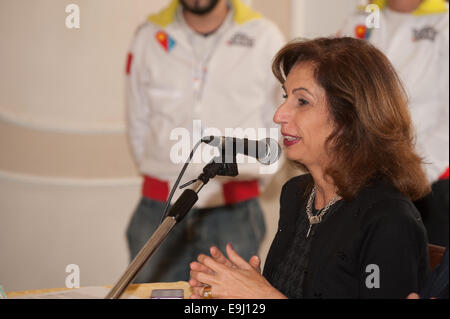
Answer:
(275, 41)
(274, 99)
(393, 254)
(137, 109)
(270, 95)
(435, 140)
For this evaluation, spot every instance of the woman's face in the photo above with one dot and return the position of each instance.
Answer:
(304, 117)
(404, 6)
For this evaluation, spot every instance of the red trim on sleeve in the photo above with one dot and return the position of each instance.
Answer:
(234, 192)
(444, 175)
(129, 61)
(238, 191)
(156, 189)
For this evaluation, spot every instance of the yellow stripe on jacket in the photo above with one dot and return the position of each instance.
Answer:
(426, 7)
(242, 13)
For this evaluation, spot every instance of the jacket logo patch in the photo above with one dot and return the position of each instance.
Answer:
(426, 33)
(165, 40)
(362, 32)
(241, 39)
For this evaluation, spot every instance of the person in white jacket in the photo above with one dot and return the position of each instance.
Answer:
(199, 68)
(414, 35)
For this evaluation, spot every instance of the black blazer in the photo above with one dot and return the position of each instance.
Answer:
(380, 226)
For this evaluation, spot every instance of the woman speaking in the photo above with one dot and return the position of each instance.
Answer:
(347, 228)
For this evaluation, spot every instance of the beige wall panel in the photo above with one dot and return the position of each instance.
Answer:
(277, 11)
(51, 154)
(44, 228)
(319, 18)
(67, 78)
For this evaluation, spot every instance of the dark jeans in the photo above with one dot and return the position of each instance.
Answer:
(434, 211)
(241, 224)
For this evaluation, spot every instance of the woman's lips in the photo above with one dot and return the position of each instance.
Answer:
(290, 140)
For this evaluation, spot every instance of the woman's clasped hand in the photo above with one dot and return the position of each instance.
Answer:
(217, 276)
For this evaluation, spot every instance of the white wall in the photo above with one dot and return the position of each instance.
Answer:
(314, 18)
(47, 225)
(67, 78)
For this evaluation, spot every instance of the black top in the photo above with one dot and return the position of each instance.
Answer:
(374, 246)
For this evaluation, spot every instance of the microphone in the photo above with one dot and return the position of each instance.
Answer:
(267, 151)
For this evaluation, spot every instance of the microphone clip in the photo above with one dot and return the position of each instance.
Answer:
(218, 167)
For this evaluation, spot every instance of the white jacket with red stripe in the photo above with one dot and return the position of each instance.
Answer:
(417, 44)
(223, 81)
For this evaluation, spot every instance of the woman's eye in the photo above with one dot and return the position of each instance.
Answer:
(285, 96)
(303, 101)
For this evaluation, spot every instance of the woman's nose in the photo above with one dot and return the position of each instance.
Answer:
(281, 115)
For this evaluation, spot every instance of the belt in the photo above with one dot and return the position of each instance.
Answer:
(233, 192)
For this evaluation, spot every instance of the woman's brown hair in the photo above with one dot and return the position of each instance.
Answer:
(373, 133)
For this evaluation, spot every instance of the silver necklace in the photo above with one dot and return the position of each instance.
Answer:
(318, 218)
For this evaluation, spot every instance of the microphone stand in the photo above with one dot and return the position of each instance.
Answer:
(178, 211)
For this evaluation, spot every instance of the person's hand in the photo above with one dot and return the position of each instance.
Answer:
(230, 278)
(413, 295)
(218, 256)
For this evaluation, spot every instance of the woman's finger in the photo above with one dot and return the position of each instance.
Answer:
(255, 262)
(236, 259)
(202, 277)
(219, 256)
(195, 283)
(211, 263)
(197, 266)
(197, 292)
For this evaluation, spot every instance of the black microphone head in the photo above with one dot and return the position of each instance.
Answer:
(269, 151)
